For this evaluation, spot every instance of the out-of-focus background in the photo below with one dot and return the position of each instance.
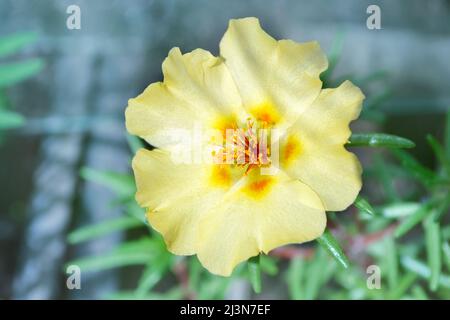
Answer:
(71, 88)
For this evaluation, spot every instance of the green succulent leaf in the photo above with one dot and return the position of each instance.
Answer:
(423, 270)
(412, 220)
(364, 205)
(97, 230)
(122, 184)
(331, 245)
(13, 43)
(254, 272)
(13, 73)
(136, 252)
(417, 170)
(433, 245)
(294, 278)
(10, 120)
(379, 140)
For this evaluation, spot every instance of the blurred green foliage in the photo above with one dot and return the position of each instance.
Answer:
(11, 73)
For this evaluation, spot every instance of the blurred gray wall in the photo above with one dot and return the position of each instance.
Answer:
(118, 52)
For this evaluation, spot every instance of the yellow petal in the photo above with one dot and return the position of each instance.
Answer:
(177, 195)
(272, 75)
(202, 80)
(313, 148)
(197, 91)
(258, 215)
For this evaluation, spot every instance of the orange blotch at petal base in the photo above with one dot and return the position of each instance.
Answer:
(265, 112)
(220, 176)
(258, 188)
(292, 150)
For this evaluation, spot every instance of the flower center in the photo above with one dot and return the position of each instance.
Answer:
(248, 147)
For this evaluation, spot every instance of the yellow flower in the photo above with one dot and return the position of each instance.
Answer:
(228, 212)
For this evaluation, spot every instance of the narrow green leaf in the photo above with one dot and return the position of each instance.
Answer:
(112, 260)
(384, 175)
(412, 221)
(363, 205)
(213, 288)
(446, 254)
(173, 294)
(4, 100)
(100, 229)
(417, 170)
(10, 120)
(404, 284)
(433, 245)
(436, 147)
(333, 58)
(122, 184)
(254, 272)
(134, 210)
(294, 278)
(130, 253)
(439, 152)
(378, 140)
(13, 73)
(445, 232)
(330, 244)
(195, 271)
(442, 209)
(330, 270)
(13, 43)
(150, 277)
(423, 271)
(314, 275)
(268, 264)
(398, 210)
(419, 293)
(152, 274)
